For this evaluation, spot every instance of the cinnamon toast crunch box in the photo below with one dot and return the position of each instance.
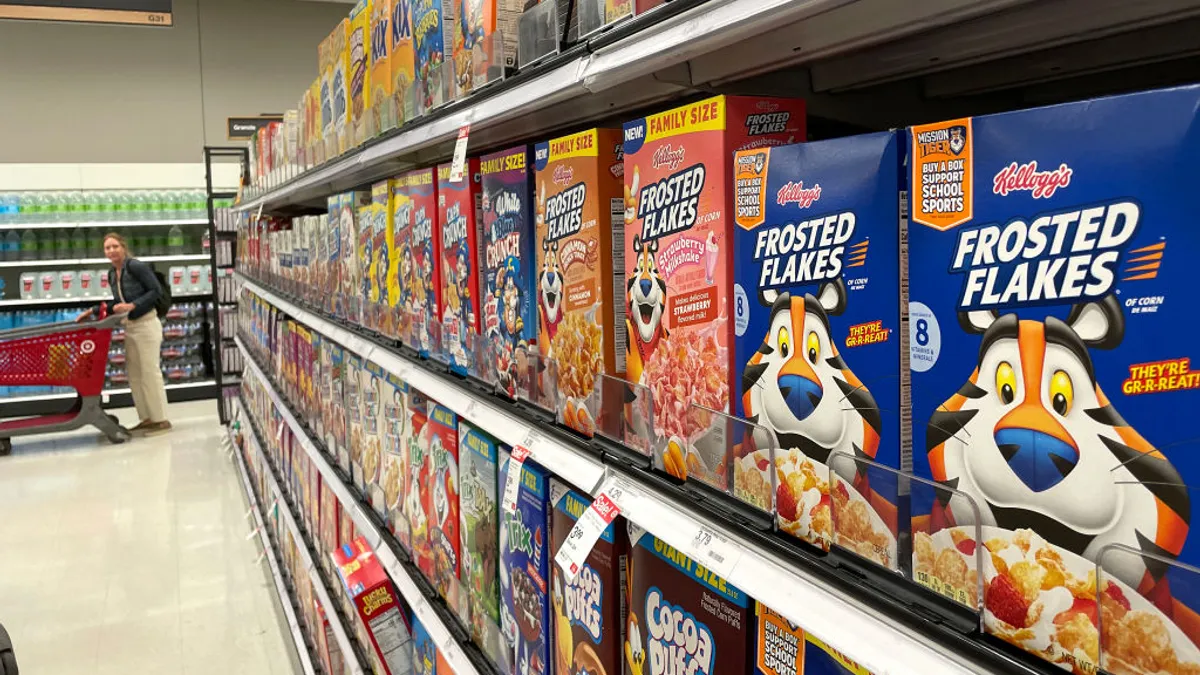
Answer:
(509, 315)
(818, 322)
(382, 103)
(1051, 374)
(580, 233)
(679, 263)
(425, 249)
(525, 571)
(457, 206)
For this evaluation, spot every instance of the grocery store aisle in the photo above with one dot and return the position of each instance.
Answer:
(134, 558)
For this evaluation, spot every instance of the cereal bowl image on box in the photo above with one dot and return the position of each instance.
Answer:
(1050, 351)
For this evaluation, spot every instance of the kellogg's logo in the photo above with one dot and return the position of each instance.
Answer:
(767, 106)
(796, 193)
(563, 174)
(668, 157)
(1040, 184)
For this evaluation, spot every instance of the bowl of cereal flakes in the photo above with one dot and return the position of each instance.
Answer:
(1046, 600)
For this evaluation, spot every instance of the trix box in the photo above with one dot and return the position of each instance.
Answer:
(378, 606)
(682, 617)
(525, 571)
(382, 103)
(478, 455)
(1051, 371)
(819, 335)
(589, 609)
(509, 312)
(425, 248)
(457, 205)
(580, 232)
(678, 255)
(442, 507)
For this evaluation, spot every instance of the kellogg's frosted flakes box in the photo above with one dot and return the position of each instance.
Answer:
(359, 52)
(525, 571)
(817, 316)
(509, 288)
(443, 514)
(580, 232)
(382, 103)
(402, 60)
(682, 617)
(1051, 374)
(458, 205)
(783, 648)
(479, 508)
(589, 609)
(679, 261)
(433, 26)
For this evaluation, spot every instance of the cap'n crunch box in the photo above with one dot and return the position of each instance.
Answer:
(381, 253)
(426, 255)
(382, 103)
(509, 312)
(378, 606)
(358, 48)
(525, 571)
(679, 260)
(479, 509)
(819, 306)
(458, 204)
(580, 232)
(433, 26)
(402, 61)
(589, 610)
(443, 504)
(1051, 343)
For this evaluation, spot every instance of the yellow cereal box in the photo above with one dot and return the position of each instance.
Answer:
(313, 139)
(402, 60)
(359, 49)
(383, 106)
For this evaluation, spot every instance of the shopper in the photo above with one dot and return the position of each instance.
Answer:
(136, 290)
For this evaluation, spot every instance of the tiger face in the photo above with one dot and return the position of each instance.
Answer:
(1034, 441)
(646, 291)
(550, 284)
(798, 386)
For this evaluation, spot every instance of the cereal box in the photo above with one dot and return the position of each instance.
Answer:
(400, 263)
(426, 252)
(381, 229)
(364, 255)
(1051, 376)
(580, 233)
(783, 648)
(383, 105)
(425, 658)
(356, 382)
(386, 493)
(525, 571)
(819, 336)
(477, 466)
(339, 56)
(485, 40)
(359, 49)
(443, 514)
(378, 606)
(433, 26)
(670, 596)
(457, 206)
(679, 262)
(509, 291)
(330, 521)
(327, 63)
(402, 60)
(418, 494)
(346, 252)
(375, 391)
(589, 609)
(342, 383)
(332, 300)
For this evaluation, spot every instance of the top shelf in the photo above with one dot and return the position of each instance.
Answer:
(102, 223)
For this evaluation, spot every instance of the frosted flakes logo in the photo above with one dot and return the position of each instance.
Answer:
(563, 174)
(796, 193)
(1040, 184)
(667, 156)
(678, 643)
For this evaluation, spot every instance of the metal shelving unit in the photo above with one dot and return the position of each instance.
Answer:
(221, 154)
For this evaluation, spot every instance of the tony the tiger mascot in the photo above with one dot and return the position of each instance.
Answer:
(645, 304)
(1036, 443)
(550, 292)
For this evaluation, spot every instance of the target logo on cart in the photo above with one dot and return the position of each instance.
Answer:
(87, 347)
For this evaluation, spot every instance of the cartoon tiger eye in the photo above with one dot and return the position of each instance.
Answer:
(814, 347)
(1006, 382)
(785, 342)
(1062, 392)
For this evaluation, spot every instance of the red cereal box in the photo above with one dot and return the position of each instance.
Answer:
(458, 203)
(442, 506)
(425, 251)
(377, 604)
(680, 315)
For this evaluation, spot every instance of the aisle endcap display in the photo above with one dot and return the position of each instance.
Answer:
(367, 528)
(839, 620)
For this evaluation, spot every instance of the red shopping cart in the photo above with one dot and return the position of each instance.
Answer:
(66, 354)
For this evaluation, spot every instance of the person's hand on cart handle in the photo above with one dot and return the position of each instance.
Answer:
(122, 307)
(83, 316)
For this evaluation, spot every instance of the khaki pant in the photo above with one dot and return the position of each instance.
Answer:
(143, 345)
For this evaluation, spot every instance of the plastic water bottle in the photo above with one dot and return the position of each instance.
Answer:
(12, 245)
(60, 207)
(8, 207)
(29, 246)
(62, 244)
(78, 243)
(199, 204)
(175, 240)
(106, 205)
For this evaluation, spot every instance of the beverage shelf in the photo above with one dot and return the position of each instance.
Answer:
(185, 257)
(67, 302)
(5, 227)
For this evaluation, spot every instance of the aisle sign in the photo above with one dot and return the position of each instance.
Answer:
(512, 485)
(134, 12)
(460, 155)
(583, 537)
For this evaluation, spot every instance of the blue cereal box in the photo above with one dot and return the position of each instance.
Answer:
(818, 336)
(509, 291)
(1051, 374)
(525, 571)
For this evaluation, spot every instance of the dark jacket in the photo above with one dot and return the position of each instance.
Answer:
(138, 285)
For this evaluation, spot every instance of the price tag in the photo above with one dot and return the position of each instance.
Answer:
(279, 433)
(460, 154)
(513, 483)
(531, 438)
(715, 551)
(582, 538)
(472, 409)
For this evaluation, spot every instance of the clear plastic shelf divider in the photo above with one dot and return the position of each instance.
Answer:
(724, 453)
(595, 15)
(538, 33)
(623, 412)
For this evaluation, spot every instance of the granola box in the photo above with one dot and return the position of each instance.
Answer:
(525, 571)
(820, 335)
(382, 102)
(426, 253)
(580, 238)
(479, 509)
(458, 204)
(678, 297)
(509, 312)
(1051, 377)
(443, 513)
(589, 610)
(358, 47)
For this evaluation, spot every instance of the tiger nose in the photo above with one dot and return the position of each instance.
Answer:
(644, 284)
(801, 394)
(550, 277)
(1040, 460)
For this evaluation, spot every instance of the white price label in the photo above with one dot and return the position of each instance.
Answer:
(472, 409)
(279, 433)
(715, 551)
(460, 154)
(512, 485)
(582, 538)
(531, 438)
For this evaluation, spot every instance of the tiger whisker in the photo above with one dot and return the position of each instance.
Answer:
(1160, 448)
(943, 408)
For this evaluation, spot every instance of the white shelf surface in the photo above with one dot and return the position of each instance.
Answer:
(105, 394)
(54, 225)
(868, 637)
(35, 264)
(289, 612)
(366, 528)
(323, 594)
(34, 302)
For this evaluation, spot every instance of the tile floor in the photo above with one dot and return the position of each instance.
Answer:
(134, 558)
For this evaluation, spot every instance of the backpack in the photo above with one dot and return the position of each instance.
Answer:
(163, 304)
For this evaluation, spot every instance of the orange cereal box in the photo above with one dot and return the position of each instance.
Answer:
(579, 235)
(679, 254)
(358, 50)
